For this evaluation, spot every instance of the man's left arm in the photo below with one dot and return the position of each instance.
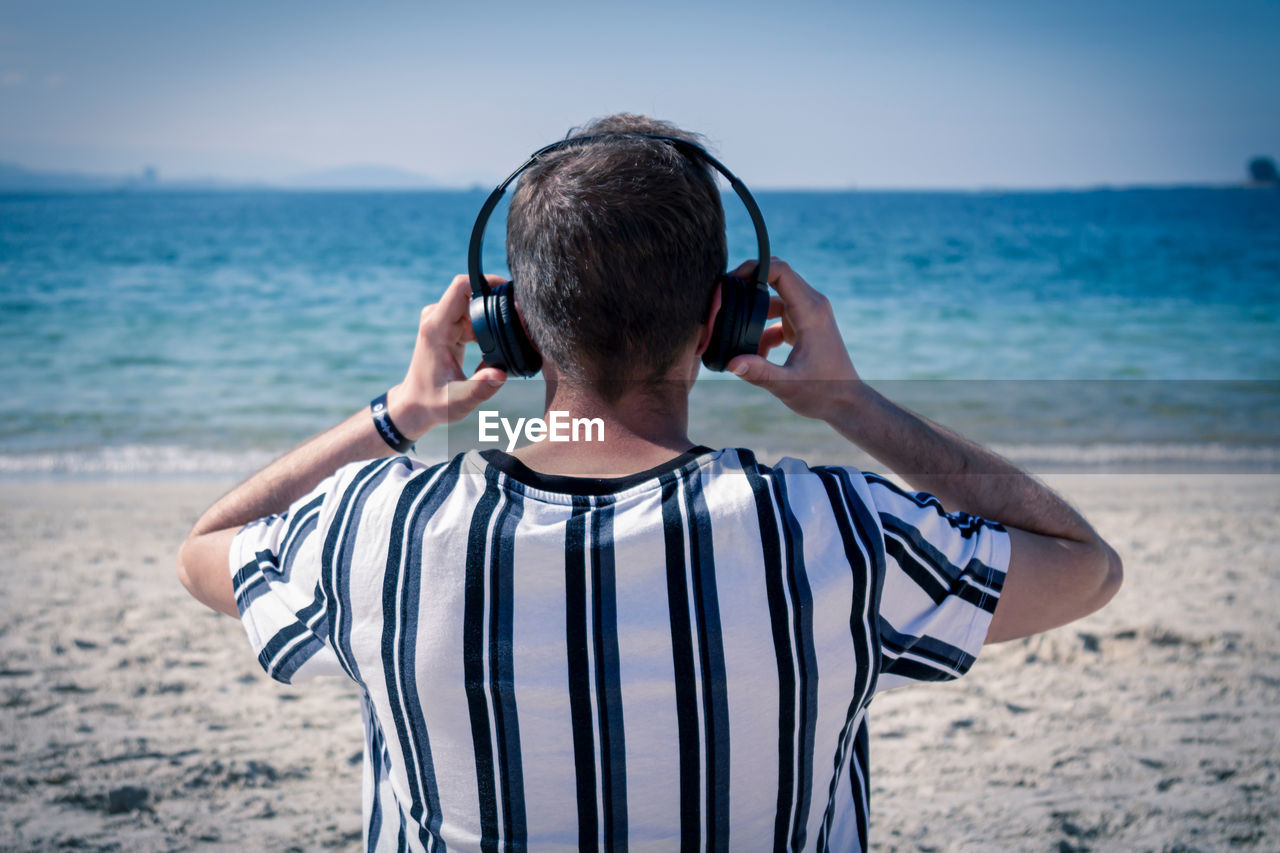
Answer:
(434, 391)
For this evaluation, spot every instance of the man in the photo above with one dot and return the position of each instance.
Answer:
(639, 642)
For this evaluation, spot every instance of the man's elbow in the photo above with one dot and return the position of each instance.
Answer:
(184, 556)
(1111, 572)
(191, 568)
(202, 569)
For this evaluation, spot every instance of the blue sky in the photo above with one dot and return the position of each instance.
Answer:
(796, 94)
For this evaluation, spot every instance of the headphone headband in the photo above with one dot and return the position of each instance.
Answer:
(480, 285)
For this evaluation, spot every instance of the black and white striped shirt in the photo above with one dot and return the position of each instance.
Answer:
(678, 659)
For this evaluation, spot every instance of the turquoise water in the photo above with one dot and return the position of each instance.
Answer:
(203, 332)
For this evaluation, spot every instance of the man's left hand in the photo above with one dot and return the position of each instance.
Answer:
(435, 390)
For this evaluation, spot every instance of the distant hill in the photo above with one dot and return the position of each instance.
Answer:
(361, 176)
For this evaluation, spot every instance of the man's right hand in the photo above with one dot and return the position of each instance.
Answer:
(1059, 569)
(818, 376)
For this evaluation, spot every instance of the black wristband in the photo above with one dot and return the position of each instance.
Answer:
(382, 423)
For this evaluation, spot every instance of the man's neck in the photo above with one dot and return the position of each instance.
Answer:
(644, 428)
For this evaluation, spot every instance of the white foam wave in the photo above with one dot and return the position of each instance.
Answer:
(148, 460)
(1144, 454)
(135, 460)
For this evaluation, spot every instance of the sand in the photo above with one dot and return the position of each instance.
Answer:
(132, 718)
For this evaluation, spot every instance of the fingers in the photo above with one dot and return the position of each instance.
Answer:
(465, 394)
(424, 316)
(493, 375)
(452, 307)
(452, 312)
(803, 301)
(772, 336)
(435, 329)
(456, 296)
(801, 298)
(756, 370)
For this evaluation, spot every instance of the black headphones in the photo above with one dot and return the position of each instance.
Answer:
(744, 305)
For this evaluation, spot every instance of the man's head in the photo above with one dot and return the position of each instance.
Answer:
(615, 246)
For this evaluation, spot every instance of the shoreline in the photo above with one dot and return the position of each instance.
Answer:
(150, 463)
(133, 718)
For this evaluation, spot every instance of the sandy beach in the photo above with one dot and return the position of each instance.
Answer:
(133, 719)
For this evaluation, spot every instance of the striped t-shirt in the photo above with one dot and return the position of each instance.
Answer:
(680, 659)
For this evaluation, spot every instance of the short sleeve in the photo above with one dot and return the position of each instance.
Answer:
(275, 565)
(943, 575)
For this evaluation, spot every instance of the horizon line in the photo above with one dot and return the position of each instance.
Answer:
(213, 186)
(148, 180)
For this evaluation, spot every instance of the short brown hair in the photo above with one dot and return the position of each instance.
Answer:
(614, 246)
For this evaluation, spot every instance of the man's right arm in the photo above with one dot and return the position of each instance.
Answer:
(1059, 568)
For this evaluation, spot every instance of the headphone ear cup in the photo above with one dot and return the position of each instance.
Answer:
(484, 327)
(744, 307)
(500, 335)
(520, 356)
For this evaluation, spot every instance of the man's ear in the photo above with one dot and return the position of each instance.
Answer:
(704, 333)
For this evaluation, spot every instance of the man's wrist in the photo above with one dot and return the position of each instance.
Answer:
(848, 406)
(410, 417)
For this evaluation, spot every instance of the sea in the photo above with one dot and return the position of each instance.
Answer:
(182, 333)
